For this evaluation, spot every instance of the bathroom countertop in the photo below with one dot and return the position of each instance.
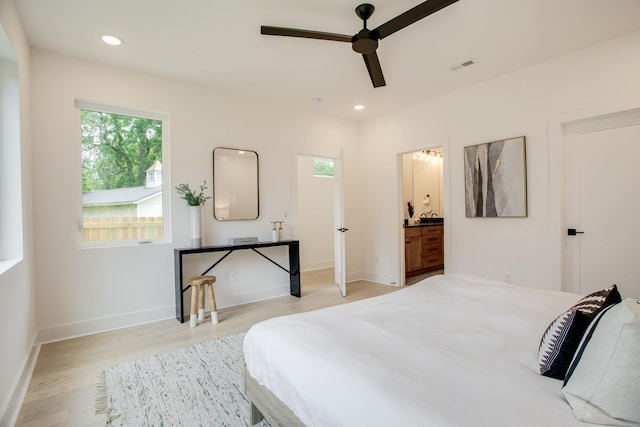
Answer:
(424, 224)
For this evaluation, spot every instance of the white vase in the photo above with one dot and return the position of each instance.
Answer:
(196, 226)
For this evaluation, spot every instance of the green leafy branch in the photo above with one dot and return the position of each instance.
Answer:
(190, 196)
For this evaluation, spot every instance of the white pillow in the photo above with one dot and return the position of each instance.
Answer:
(604, 382)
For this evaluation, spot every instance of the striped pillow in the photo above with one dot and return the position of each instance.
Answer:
(562, 337)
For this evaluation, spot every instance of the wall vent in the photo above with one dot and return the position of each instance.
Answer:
(463, 64)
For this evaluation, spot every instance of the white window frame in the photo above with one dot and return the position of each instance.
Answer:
(11, 221)
(81, 104)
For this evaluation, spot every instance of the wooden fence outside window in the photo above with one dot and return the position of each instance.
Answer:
(102, 229)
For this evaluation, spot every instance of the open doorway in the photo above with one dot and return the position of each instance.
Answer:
(315, 226)
(424, 214)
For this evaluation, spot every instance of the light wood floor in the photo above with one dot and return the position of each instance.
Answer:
(62, 388)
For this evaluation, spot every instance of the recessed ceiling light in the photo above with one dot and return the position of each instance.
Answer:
(358, 107)
(112, 40)
(316, 100)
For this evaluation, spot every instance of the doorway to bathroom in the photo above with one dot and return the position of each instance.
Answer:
(423, 214)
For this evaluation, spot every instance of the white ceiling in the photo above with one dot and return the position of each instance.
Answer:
(218, 43)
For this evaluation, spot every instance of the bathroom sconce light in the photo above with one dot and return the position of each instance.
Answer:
(426, 200)
(428, 155)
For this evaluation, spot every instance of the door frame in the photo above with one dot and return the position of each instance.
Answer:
(444, 145)
(556, 183)
(294, 194)
(339, 239)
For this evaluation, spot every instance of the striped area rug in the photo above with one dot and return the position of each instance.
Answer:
(200, 385)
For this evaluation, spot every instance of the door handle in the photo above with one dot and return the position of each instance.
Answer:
(342, 229)
(573, 232)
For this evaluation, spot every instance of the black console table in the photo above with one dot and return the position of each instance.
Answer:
(294, 265)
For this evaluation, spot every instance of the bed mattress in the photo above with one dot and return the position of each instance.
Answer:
(452, 350)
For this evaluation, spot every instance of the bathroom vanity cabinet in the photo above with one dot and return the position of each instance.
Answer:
(424, 250)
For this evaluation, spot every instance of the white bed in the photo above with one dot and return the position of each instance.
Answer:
(452, 350)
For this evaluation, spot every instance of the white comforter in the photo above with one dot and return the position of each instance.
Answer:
(453, 350)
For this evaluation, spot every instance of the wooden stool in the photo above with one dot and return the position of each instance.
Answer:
(198, 283)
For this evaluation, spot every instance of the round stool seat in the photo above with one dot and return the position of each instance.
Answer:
(201, 280)
(197, 299)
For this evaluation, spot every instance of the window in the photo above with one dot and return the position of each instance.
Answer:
(122, 175)
(11, 225)
(323, 167)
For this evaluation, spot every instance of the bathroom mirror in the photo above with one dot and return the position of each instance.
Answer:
(235, 184)
(423, 183)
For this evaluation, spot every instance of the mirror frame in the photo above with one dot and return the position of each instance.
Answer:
(217, 190)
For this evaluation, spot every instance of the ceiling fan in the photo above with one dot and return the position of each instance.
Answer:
(365, 41)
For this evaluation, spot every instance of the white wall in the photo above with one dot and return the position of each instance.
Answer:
(86, 290)
(17, 296)
(315, 217)
(520, 103)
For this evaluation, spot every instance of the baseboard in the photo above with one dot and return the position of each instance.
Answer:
(318, 265)
(14, 405)
(383, 279)
(104, 324)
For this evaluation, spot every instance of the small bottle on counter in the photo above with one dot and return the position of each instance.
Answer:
(280, 230)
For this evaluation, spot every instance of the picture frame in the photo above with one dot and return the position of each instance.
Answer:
(495, 179)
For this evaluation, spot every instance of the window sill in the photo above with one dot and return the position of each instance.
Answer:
(7, 265)
(121, 243)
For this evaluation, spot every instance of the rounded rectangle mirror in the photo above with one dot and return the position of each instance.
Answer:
(235, 184)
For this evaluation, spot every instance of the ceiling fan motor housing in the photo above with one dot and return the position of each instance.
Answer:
(364, 42)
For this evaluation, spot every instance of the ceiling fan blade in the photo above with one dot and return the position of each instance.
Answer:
(410, 16)
(375, 71)
(307, 34)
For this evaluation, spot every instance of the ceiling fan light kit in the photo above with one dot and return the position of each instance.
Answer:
(365, 42)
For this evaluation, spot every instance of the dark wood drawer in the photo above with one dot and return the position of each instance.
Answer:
(431, 230)
(432, 249)
(433, 261)
(412, 232)
(432, 239)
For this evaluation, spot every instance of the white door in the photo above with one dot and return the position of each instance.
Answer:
(338, 217)
(602, 206)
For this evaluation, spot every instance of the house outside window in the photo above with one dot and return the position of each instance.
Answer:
(123, 197)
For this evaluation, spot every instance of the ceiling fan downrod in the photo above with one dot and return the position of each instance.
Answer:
(365, 41)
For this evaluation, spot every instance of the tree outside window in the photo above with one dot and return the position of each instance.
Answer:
(121, 177)
(322, 167)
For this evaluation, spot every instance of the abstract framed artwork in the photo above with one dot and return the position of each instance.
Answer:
(495, 179)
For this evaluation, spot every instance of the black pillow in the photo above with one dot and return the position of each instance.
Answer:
(562, 337)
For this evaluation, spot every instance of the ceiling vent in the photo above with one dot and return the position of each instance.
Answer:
(463, 64)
